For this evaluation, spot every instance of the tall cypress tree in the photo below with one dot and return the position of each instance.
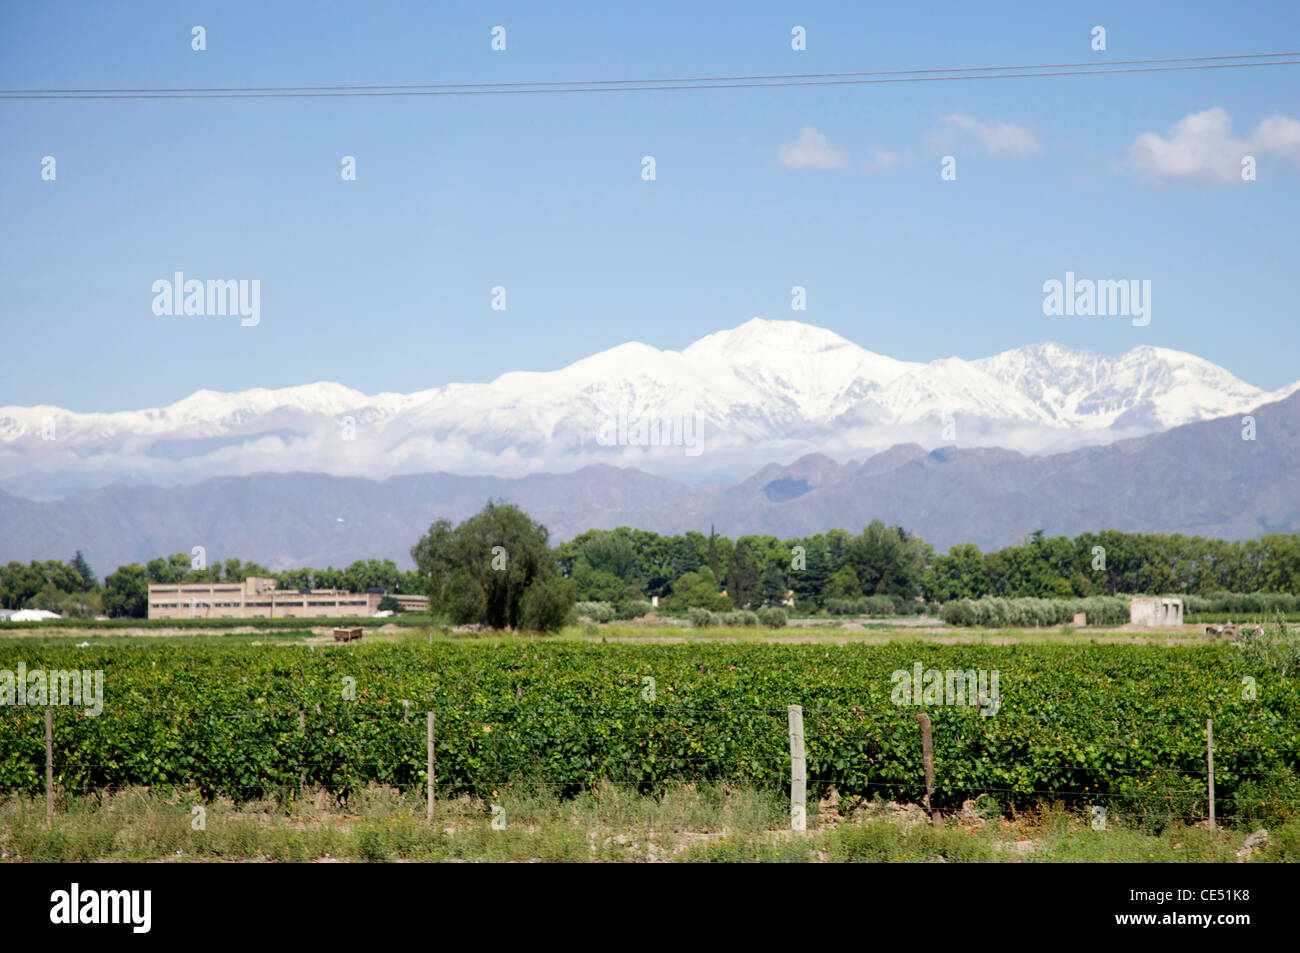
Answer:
(715, 563)
(742, 576)
(83, 569)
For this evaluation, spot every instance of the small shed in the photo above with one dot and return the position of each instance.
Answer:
(347, 635)
(1155, 611)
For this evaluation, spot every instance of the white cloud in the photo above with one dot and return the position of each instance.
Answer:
(1201, 147)
(810, 151)
(882, 161)
(1003, 138)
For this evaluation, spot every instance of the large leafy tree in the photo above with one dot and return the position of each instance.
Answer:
(888, 560)
(126, 591)
(844, 584)
(962, 574)
(482, 571)
(605, 566)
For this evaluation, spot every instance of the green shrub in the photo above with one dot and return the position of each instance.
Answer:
(1274, 647)
(1268, 800)
(994, 612)
(701, 618)
(595, 611)
(866, 605)
(887, 842)
(772, 617)
(634, 609)
(1243, 603)
(1283, 844)
(546, 604)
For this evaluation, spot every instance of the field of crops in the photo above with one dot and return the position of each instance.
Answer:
(1120, 726)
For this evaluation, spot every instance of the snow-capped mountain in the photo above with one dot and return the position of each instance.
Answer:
(730, 402)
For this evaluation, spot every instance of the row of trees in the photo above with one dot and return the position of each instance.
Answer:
(691, 570)
(455, 566)
(1112, 562)
(66, 588)
(71, 589)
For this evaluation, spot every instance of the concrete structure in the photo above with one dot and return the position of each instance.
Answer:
(259, 598)
(1155, 611)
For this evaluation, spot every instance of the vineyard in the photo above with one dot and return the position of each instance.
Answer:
(1117, 726)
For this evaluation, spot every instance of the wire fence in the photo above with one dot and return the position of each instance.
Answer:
(283, 753)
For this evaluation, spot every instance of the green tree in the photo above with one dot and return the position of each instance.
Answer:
(809, 583)
(961, 574)
(742, 575)
(126, 592)
(596, 585)
(19, 583)
(844, 584)
(547, 604)
(715, 558)
(771, 585)
(88, 580)
(888, 560)
(481, 570)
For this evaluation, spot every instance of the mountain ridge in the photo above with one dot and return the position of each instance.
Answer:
(1200, 478)
(763, 391)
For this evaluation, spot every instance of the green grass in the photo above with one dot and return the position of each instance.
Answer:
(709, 824)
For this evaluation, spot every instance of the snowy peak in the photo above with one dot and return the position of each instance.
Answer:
(760, 336)
(723, 406)
(1081, 389)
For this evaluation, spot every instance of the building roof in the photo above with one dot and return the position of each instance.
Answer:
(33, 615)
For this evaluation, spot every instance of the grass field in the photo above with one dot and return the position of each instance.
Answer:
(710, 823)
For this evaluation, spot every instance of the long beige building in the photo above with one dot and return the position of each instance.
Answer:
(260, 598)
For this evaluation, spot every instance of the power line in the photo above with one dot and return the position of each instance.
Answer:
(1245, 60)
(677, 79)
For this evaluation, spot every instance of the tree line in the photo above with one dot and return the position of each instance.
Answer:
(484, 568)
(71, 588)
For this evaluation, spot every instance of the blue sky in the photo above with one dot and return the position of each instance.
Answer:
(384, 283)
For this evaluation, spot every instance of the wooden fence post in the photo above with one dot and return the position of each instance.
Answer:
(49, 767)
(429, 767)
(927, 758)
(798, 772)
(1209, 757)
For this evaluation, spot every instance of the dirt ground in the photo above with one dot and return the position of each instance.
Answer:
(799, 632)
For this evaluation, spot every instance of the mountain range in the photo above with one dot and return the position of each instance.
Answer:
(725, 406)
(1226, 477)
